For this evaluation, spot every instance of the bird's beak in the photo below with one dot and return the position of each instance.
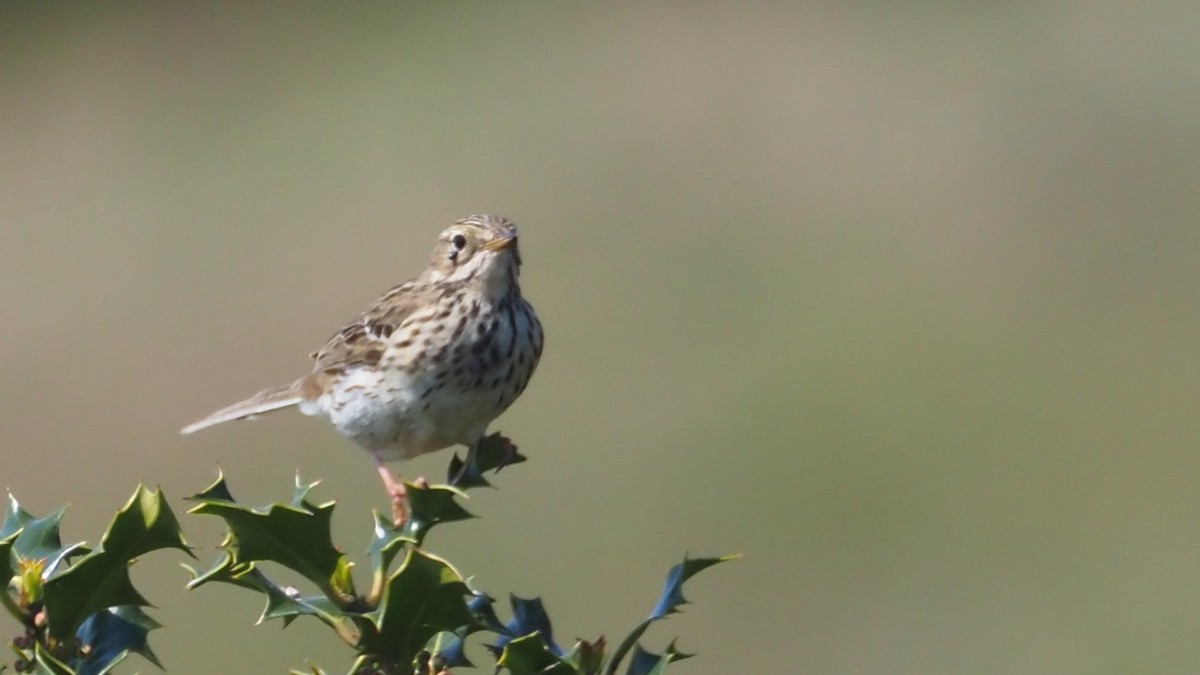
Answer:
(501, 243)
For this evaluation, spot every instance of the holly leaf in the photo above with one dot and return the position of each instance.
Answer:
(529, 655)
(431, 505)
(281, 602)
(386, 543)
(44, 663)
(108, 636)
(425, 596)
(529, 616)
(100, 579)
(451, 649)
(6, 556)
(587, 657)
(295, 535)
(485, 615)
(15, 518)
(36, 540)
(39, 538)
(642, 662)
(668, 603)
(493, 453)
(672, 595)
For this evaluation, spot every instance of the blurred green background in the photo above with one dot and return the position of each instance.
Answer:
(898, 300)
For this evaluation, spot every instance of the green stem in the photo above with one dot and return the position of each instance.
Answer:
(626, 644)
(13, 608)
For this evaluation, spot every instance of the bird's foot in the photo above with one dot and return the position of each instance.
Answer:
(398, 493)
(399, 506)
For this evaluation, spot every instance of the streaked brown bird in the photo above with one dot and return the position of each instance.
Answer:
(430, 364)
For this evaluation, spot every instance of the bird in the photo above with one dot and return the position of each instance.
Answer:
(429, 365)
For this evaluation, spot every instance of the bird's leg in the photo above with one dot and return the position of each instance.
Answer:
(396, 491)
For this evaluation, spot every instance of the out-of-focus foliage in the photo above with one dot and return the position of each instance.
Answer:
(78, 608)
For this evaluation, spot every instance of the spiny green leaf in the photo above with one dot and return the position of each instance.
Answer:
(672, 596)
(423, 597)
(6, 562)
(528, 655)
(218, 491)
(493, 453)
(451, 648)
(146, 523)
(587, 657)
(109, 636)
(15, 518)
(430, 506)
(282, 603)
(100, 579)
(386, 543)
(295, 535)
(642, 662)
(529, 616)
(668, 602)
(300, 493)
(484, 614)
(45, 664)
(39, 540)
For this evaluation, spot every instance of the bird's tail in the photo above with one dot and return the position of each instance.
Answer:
(262, 402)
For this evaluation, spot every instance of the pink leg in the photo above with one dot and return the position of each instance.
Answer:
(396, 491)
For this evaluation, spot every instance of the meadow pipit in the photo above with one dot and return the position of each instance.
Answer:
(430, 364)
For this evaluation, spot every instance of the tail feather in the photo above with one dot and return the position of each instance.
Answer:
(264, 401)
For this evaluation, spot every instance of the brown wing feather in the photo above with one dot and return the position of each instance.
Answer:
(361, 341)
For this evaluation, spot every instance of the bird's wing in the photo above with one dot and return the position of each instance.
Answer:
(362, 341)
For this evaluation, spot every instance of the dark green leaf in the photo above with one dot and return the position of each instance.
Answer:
(672, 596)
(146, 523)
(39, 540)
(528, 655)
(100, 579)
(587, 657)
(45, 664)
(493, 453)
(668, 603)
(430, 506)
(485, 615)
(6, 562)
(386, 543)
(282, 603)
(450, 648)
(642, 662)
(423, 597)
(217, 492)
(529, 616)
(15, 518)
(109, 636)
(295, 535)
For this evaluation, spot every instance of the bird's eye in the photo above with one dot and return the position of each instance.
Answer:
(459, 241)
